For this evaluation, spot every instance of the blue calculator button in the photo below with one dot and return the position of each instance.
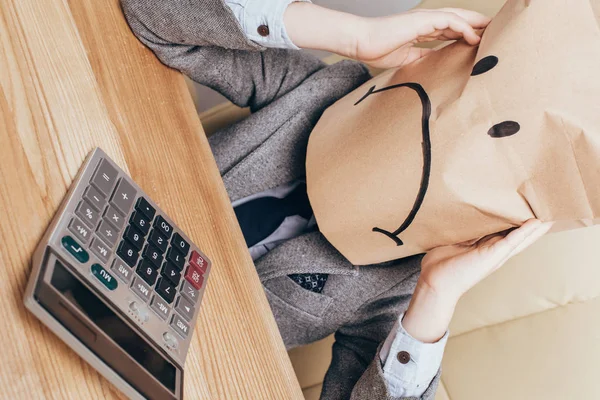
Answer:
(75, 249)
(103, 276)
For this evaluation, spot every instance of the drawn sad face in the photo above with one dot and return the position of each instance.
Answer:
(501, 130)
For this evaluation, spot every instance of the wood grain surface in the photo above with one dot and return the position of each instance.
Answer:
(73, 77)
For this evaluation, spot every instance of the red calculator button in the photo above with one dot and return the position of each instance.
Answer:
(194, 276)
(197, 260)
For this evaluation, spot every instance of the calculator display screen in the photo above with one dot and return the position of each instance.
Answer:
(113, 326)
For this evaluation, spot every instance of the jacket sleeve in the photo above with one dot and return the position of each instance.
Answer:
(203, 40)
(356, 371)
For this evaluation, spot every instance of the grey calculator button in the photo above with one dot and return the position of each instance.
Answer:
(107, 232)
(180, 326)
(88, 214)
(170, 340)
(189, 291)
(124, 196)
(185, 308)
(100, 249)
(140, 288)
(105, 177)
(122, 270)
(80, 230)
(160, 306)
(95, 198)
(114, 217)
(139, 311)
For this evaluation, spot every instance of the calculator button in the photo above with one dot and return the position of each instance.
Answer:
(114, 217)
(189, 292)
(100, 249)
(160, 306)
(152, 254)
(139, 221)
(165, 288)
(158, 240)
(128, 253)
(139, 311)
(75, 249)
(134, 236)
(145, 208)
(104, 277)
(176, 258)
(124, 196)
(122, 271)
(147, 271)
(95, 198)
(163, 226)
(88, 214)
(198, 261)
(140, 288)
(180, 326)
(194, 276)
(108, 233)
(105, 177)
(170, 340)
(82, 232)
(180, 244)
(171, 272)
(185, 308)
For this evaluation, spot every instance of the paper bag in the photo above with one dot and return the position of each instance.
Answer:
(467, 141)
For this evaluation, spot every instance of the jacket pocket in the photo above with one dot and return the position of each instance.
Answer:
(288, 295)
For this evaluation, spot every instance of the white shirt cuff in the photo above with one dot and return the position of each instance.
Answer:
(253, 13)
(414, 377)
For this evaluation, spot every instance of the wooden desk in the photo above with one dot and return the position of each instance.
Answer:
(72, 77)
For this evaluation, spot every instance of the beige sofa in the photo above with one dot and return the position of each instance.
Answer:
(530, 331)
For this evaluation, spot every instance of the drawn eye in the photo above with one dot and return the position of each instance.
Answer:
(484, 65)
(504, 129)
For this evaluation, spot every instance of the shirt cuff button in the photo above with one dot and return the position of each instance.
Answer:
(263, 30)
(403, 357)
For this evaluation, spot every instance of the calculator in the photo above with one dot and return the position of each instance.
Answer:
(119, 282)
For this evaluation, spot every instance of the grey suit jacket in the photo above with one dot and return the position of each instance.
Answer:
(287, 91)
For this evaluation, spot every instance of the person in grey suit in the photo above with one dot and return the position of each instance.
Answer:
(390, 320)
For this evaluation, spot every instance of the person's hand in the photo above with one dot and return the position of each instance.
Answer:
(382, 42)
(390, 41)
(452, 270)
(448, 272)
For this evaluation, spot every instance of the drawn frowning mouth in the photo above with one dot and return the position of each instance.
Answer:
(503, 129)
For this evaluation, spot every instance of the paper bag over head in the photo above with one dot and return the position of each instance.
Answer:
(467, 141)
